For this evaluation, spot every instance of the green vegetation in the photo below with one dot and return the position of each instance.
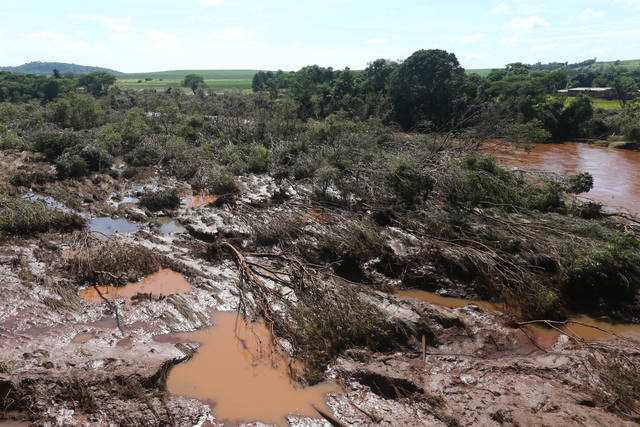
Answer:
(495, 233)
(22, 217)
(162, 199)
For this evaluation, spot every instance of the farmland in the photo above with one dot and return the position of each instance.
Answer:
(214, 79)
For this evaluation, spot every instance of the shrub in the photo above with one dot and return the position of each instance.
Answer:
(96, 157)
(24, 217)
(71, 166)
(408, 184)
(9, 141)
(53, 144)
(216, 180)
(259, 159)
(533, 131)
(162, 199)
(580, 183)
(609, 272)
(115, 264)
(147, 154)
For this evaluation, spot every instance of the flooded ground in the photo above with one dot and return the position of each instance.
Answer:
(243, 375)
(163, 283)
(168, 226)
(581, 327)
(616, 172)
(110, 226)
(195, 199)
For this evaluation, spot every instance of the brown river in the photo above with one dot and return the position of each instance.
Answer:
(616, 172)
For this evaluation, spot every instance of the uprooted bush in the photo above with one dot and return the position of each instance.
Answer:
(609, 272)
(22, 217)
(329, 320)
(115, 264)
(161, 199)
(216, 180)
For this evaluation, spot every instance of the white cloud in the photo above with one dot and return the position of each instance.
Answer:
(258, 9)
(119, 25)
(377, 40)
(526, 24)
(211, 3)
(475, 38)
(500, 9)
(522, 26)
(590, 13)
(298, 43)
(236, 33)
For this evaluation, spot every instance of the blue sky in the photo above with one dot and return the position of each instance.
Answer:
(130, 35)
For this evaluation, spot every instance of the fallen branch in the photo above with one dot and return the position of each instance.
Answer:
(112, 306)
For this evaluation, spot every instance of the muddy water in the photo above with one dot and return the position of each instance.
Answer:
(243, 375)
(163, 283)
(168, 226)
(616, 172)
(110, 226)
(544, 336)
(194, 199)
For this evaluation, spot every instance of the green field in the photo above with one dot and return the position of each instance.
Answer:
(214, 79)
(483, 72)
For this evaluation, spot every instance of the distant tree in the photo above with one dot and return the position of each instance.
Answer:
(56, 74)
(97, 83)
(377, 75)
(193, 81)
(258, 82)
(425, 87)
(625, 88)
(51, 89)
(518, 69)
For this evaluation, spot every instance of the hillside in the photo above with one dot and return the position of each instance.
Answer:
(46, 68)
(630, 64)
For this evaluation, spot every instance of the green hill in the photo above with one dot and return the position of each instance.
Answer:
(46, 68)
(630, 64)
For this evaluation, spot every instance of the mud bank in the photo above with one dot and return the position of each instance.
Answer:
(65, 361)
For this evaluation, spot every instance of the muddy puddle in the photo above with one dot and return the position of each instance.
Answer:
(582, 327)
(195, 199)
(109, 226)
(167, 226)
(616, 172)
(163, 283)
(244, 376)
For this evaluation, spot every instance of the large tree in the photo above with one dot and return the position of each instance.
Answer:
(425, 87)
(625, 88)
(193, 81)
(97, 83)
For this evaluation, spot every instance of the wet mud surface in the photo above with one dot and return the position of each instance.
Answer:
(64, 361)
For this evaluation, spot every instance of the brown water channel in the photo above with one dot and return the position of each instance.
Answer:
(163, 283)
(585, 327)
(238, 370)
(616, 172)
(195, 199)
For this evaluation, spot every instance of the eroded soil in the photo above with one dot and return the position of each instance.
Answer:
(65, 361)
